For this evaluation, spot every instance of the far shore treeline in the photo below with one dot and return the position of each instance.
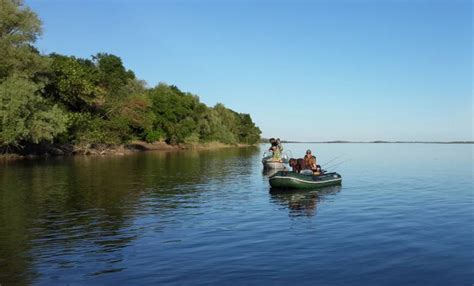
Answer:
(64, 100)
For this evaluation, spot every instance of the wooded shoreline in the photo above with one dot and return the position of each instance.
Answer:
(53, 104)
(134, 147)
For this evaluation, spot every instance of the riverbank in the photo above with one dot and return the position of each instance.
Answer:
(49, 150)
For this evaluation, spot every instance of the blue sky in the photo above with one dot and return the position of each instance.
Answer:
(304, 70)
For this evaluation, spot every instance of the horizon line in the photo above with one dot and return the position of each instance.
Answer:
(380, 141)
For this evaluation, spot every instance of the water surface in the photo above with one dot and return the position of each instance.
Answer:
(403, 216)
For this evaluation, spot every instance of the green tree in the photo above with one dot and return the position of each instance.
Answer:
(135, 110)
(74, 83)
(19, 28)
(25, 116)
(176, 113)
(112, 74)
(97, 100)
(248, 133)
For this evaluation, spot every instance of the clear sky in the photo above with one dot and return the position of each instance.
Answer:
(304, 70)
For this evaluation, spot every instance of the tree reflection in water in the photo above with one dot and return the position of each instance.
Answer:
(80, 212)
(302, 202)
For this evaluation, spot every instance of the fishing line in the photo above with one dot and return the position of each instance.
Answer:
(333, 164)
(337, 165)
(333, 159)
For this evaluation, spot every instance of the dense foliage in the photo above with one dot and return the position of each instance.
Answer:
(63, 99)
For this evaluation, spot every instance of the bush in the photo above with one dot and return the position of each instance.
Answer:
(192, 139)
(154, 136)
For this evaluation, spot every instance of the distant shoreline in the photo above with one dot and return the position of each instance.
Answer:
(376, 142)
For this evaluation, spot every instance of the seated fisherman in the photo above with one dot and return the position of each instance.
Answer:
(310, 163)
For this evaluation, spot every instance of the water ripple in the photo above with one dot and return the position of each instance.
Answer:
(211, 218)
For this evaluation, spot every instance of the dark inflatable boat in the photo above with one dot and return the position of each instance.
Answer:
(293, 180)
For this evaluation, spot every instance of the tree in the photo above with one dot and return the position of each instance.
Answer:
(25, 116)
(74, 83)
(176, 113)
(112, 74)
(248, 133)
(135, 110)
(19, 29)
(97, 100)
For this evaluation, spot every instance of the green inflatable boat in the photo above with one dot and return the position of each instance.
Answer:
(293, 180)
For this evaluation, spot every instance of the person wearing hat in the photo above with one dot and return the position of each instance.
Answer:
(275, 143)
(310, 163)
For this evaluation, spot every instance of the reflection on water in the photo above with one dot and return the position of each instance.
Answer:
(51, 208)
(207, 217)
(302, 202)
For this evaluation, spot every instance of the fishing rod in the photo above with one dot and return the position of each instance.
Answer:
(332, 160)
(333, 166)
(334, 163)
(337, 163)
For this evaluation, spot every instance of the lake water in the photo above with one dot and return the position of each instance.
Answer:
(403, 216)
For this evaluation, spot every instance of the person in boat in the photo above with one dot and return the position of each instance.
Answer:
(279, 145)
(272, 143)
(311, 163)
(276, 153)
(275, 143)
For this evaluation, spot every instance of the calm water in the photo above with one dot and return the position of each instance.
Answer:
(403, 216)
